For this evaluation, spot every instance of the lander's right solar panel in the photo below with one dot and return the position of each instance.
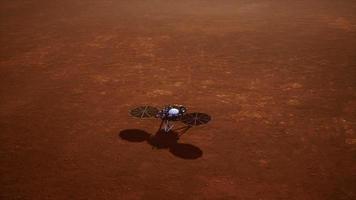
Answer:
(195, 119)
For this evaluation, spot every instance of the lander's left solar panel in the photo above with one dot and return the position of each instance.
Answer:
(144, 112)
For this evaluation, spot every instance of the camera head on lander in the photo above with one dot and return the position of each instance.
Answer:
(172, 112)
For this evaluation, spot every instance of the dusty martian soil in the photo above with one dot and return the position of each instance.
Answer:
(278, 79)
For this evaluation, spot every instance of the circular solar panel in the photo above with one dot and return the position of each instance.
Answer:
(144, 112)
(195, 119)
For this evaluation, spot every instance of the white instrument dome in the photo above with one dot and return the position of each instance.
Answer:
(173, 111)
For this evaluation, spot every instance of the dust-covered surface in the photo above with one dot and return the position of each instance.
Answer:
(276, 77)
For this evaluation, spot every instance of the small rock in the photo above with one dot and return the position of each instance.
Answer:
(350, 141)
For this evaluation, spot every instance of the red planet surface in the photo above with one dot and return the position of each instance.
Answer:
(277, 80)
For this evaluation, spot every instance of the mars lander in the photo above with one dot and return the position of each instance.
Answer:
(170, 115)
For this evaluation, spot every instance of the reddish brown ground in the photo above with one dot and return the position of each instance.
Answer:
(277, 77)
